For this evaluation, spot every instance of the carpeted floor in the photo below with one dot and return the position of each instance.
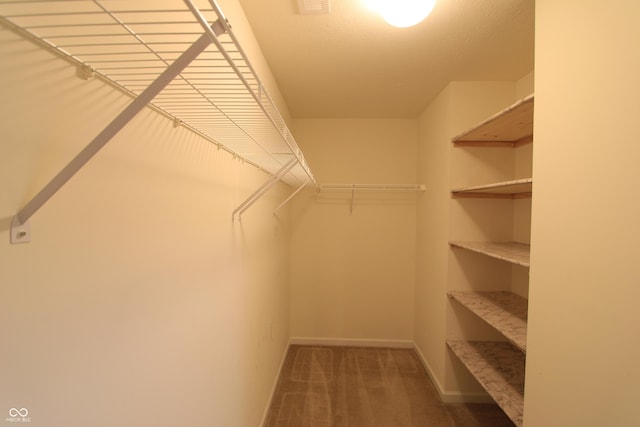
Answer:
(366, 387)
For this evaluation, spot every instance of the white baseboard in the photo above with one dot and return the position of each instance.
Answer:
(347, 342)
(273, 387)
(448, 396)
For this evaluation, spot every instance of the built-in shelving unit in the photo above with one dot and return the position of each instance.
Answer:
(499, 367)
(504, 311)
(513, 252)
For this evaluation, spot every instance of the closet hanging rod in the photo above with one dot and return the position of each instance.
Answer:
(372, 187)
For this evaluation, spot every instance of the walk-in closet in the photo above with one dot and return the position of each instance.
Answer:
(241, 213)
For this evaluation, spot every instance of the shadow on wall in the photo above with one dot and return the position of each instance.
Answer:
(5, 224)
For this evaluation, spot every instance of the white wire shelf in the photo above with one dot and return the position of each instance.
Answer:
(130, 44)
(177, 57)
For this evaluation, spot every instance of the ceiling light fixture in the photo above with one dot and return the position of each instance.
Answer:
(402, 13)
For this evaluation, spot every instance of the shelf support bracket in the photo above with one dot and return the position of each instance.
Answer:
(113, 128)
(263, 188)
(20, 233)
(291, 196)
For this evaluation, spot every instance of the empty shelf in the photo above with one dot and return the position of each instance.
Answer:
(513, 252)
(499, 368)
(504, 311)
(517, 189)
(510, 127)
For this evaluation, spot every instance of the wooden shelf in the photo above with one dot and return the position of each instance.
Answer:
(499, 368)
(511, 127)
(504, 311)
(513, 252)
(517, 189)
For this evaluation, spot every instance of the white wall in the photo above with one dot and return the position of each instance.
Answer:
(352, 271)
(137, 302)
(583, 341)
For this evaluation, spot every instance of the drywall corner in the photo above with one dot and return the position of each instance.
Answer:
(525, 85)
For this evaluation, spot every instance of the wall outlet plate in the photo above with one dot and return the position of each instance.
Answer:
(20, 233)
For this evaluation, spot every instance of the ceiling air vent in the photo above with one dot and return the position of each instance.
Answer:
(313, 7)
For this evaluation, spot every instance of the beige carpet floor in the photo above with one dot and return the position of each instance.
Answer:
(366, 387)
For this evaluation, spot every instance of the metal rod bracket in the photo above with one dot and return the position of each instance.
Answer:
(20, 232)
(263, 188)
(304, 184)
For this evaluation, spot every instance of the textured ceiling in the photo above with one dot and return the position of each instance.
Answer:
(350, 63)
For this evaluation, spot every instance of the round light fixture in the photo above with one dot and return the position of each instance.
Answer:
(402, 13)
